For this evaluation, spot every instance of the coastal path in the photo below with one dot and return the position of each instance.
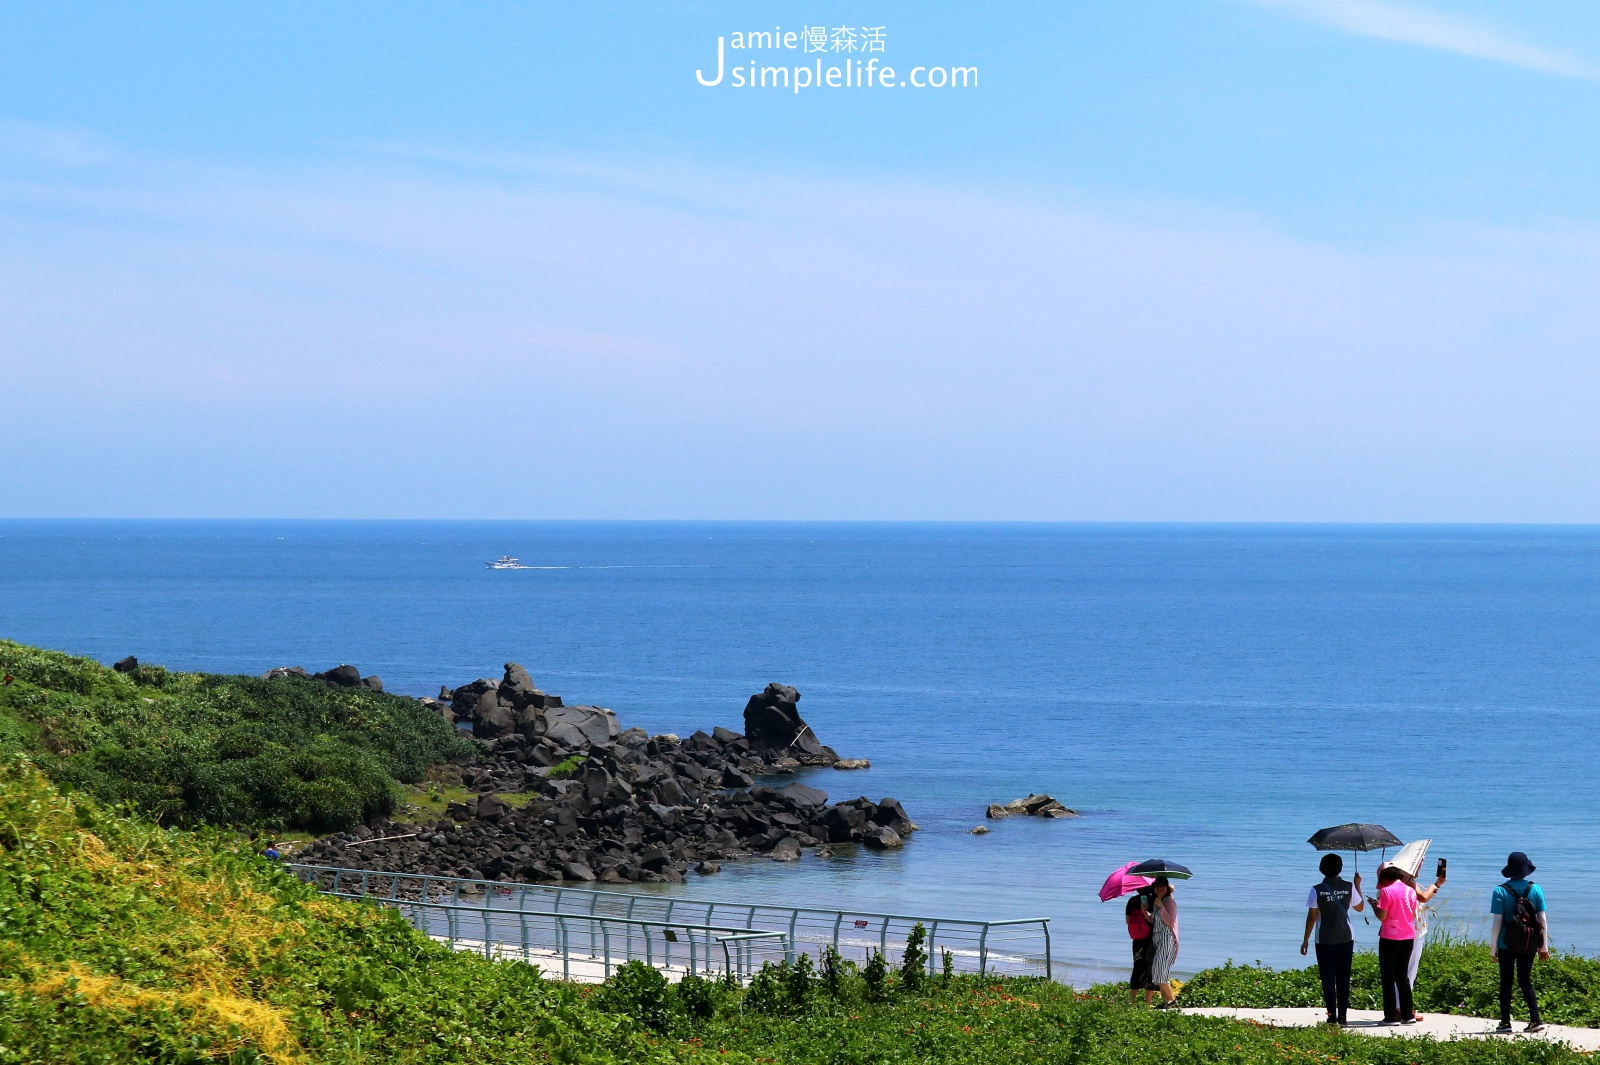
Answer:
(584, 933)
(1441, 1026)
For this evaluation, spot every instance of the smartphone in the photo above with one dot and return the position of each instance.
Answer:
(1439, 873)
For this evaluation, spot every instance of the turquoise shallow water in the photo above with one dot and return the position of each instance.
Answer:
(1209, 694)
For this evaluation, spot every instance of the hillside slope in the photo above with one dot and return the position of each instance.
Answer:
(197, 748)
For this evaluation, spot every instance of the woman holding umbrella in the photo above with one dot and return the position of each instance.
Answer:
(1163, 939)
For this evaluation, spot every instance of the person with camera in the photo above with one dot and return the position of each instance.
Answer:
(1396, 906)
(1520, 932)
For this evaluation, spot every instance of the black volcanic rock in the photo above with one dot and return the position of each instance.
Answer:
(636, 808)
(773, 726)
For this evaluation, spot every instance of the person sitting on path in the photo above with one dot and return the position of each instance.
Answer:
(1520, 931)
(1137, 913)
(1163, 939)
(1328, 913)
(1396, 906)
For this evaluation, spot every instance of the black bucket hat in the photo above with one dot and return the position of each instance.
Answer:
(1517, 866)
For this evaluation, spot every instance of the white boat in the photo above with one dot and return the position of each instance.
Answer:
(505, 562)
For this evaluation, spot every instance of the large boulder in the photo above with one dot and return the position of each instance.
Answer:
(799, 793)
(126, 665)
(345, 676)
(285, 671)
(491, 719)
(773, 726)
(577, 726)
(517, 690)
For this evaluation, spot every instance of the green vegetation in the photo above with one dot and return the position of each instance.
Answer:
(788, 1015)
(125, 941)
(196, 748)
(566, 767)
(122, 942)
(1455, 976)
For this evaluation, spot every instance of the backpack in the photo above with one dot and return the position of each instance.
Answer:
(1521, 926)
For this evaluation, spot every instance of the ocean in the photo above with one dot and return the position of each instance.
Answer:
(1209, 694)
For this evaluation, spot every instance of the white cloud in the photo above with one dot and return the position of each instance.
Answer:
(1436, 29)
(365, 341)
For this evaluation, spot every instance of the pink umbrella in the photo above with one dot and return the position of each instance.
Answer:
(1122, 883)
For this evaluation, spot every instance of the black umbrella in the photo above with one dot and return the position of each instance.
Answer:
(1355, 837)
(1161, 867)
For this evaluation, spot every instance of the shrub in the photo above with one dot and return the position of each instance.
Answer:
(697, 997)
(769, 989)
(875, 977)
(914, 962)
(566, 767)
(801, 983)
(639, 991)
(835, 971)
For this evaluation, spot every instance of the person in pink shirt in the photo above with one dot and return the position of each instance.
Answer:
(1396, 906)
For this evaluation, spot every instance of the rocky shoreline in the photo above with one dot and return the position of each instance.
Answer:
(566, 794)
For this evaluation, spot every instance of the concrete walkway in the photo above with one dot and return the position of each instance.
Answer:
(1441, 1026)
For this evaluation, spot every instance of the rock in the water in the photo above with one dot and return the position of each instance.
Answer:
(979, 830)
(852, 763)
(372, 683)
(787, 850)
(772, 724)
(1032, 806)
(285, 671)
(577, 871)
(126, 665)
(883, 839)
(707, 868)
(803, 795)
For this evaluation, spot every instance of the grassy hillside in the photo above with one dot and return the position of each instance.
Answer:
(193, 748)
(124, 942)
(120, 941)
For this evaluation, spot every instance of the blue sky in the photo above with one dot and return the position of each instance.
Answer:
(1211, 260)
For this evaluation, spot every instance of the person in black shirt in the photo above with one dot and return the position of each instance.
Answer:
(1328, 913)
(1137, 914)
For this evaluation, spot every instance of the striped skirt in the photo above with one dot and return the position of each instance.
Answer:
(1163, 951)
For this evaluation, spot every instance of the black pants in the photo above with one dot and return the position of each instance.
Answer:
(1140, 979)
(1522, 962)
(1394, 963)
(1333, 965)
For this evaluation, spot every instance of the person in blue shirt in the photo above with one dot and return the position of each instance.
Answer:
(1510, 945)
(271, 853)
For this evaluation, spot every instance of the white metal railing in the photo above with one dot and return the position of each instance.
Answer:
(1011, 948)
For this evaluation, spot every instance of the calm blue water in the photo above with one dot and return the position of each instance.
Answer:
(1209, 694)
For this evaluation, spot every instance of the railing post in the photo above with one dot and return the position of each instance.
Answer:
(933, 936)
(838, 919)
(522, 921)
(983, 949)
(605, 936)
(566, 953)
(1049, 973)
